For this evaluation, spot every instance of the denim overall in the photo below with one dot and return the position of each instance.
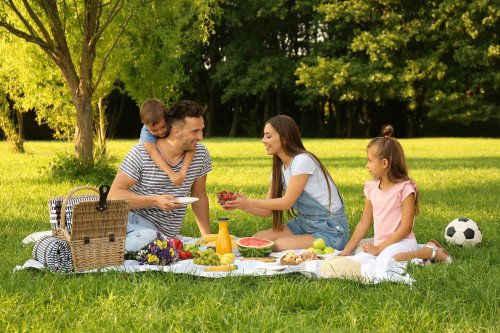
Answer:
(313, 218)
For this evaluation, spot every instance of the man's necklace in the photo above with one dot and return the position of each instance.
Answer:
(166, 160)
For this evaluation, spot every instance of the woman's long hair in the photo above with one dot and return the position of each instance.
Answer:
(292, 145)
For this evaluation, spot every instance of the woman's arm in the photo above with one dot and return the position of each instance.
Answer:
(235, 204)
(264, 207)
(361, 229)
(403, 230)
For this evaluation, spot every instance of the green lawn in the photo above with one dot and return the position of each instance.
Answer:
(457, 177)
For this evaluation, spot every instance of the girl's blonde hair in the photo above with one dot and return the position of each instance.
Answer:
(390, 149)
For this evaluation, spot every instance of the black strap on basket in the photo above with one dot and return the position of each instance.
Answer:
(103, 196)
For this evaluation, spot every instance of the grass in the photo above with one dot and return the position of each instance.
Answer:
(457, 177)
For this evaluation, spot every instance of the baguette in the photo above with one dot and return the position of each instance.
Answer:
(221, 268)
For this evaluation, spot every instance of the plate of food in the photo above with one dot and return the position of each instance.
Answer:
(186, 200)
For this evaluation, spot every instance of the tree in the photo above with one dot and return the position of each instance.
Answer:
(69, 35)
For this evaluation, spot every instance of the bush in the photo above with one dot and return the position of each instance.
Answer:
(66, 167)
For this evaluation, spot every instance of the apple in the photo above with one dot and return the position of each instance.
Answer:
(311, 249)
(318, 251)
(329, 250)
(319, 243)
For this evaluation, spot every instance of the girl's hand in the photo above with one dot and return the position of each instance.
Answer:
(371, 249)
(240, 203)
(344, 254)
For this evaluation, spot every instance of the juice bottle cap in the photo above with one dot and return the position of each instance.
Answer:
(223, 219)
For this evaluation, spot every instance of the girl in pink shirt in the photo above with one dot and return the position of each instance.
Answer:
(392, 204)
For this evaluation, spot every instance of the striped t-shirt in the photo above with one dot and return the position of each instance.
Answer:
(151, 180)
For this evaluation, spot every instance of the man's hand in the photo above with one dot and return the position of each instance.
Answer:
(167, 202)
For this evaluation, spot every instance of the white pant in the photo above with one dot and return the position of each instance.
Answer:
(378, 266)
(140, 232)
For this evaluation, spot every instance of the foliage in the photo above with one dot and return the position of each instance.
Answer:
(32, 81)
(149, 55)
(440, 58)
(66, 167)
(453, 182)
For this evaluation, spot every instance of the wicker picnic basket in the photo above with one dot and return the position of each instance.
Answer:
(99, 229)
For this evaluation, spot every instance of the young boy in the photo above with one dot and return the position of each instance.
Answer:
(154, 117)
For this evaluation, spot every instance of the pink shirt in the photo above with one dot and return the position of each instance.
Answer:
(388, 207)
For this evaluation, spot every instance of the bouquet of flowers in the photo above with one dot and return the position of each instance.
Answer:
(159, 252)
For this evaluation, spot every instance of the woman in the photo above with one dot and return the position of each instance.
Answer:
(318, 209)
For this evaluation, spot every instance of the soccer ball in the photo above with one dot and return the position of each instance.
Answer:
(463, 232)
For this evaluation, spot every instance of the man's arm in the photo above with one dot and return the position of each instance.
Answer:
(200, 207)
(120, 190)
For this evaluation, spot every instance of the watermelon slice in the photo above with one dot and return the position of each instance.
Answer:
(254, 247)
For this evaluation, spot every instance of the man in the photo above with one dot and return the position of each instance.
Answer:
(151, 194)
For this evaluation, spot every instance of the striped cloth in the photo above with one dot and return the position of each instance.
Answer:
(151, 180)
(55, 205)
(53, 253)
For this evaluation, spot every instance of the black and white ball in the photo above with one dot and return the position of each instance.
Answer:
(463, 232)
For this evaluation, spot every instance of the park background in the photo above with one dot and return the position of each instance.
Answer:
(73, 74)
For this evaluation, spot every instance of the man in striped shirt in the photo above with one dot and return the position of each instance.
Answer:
(151, 194)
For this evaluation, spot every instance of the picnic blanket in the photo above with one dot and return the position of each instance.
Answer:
(396, 271)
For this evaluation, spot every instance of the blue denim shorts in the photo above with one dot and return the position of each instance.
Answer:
(333, 228)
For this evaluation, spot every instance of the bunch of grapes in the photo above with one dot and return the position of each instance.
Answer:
(207, 258)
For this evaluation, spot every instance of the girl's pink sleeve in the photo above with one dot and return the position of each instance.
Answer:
(368, 188)
(409, 187)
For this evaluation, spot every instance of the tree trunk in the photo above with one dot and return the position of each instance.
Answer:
(101, 128)
(20, 124)
(267, 107)
(279, 101)
(210, 112)
(8, 127)
(234, 123)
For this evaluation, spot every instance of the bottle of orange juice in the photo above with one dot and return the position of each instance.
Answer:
(223, 244)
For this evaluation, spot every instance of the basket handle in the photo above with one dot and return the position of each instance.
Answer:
(67, 197)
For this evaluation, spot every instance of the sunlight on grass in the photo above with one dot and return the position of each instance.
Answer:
(456, 177)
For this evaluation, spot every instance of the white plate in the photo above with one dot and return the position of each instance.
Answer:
(186, 200)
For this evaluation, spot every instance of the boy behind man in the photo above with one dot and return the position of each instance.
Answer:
(154, 117)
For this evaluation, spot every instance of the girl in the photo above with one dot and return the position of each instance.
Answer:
(309, 189)
(392, 203)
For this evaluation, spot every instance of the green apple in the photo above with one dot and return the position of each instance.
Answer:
(319, 243)
(318, 251)
(329, 250)
(311, 249)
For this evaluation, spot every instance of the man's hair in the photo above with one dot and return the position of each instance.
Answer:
(179, 111)
(152, 112)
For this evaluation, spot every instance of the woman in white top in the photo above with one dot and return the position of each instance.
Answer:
(310, 195)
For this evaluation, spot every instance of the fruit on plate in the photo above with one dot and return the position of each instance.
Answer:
(177, 244)
(319, 247)
(227, 258)
(224, 196)
(254, 247)
(319, 243)
(207, 258)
